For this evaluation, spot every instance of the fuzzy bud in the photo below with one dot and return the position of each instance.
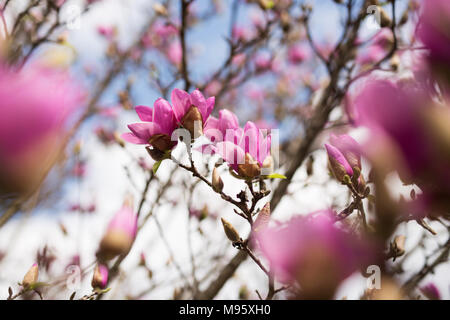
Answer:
(338, 164)
(397, 247)
(120, 234)
(31, 277)
(230, 231)
(217, 182)
(100, 278)
(250, 168)
(160, 9)
(191, 121)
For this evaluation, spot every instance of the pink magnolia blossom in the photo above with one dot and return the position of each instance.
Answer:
(434, 29)
(156, 128)
(120, 234)
(392, 110)
(224, 128)
(226, 124)
(311, 251)
(431, 291)
(263, 62)
(239, 59)
(164, 30)
(348, 147)
(213, 88)
(106, 31)
(338, 163)
(297, 54)
(247, 152)
(37, 106)
(191, 108)
(100, 278)
(125, 220)
(175, 52)
(407, 134)
(241, 33)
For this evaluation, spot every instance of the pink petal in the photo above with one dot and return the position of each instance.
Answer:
(164, 116)
(180, 102)
(130, 137)
(210, 102)
(198, 100)
(144, 113)
(231, 153)
(145, 130)
(228, 120)
(250, 140)
(339, 158)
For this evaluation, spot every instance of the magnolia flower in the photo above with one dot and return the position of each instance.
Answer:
(248, 153)
(100, 277)
(303, 251)
(224, 128)
(120, 233)
(263, 62)
(164, 30)
(297, 54)
(431, 291)
(36, 106)
(175, 52)
(338, 164)
(433, 31)
(349, 148)
(192, 110)
(343, 155)
(157, 126)
(408, 132)
(392, 112)
(106, 31)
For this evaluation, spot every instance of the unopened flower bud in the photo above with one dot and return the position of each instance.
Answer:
(250, 168)
(162, 142)
(100, 278)
(338, 164)
(431, 292)
(156, 154)
(268, 165)
(385, 21)
(217, 182)
(404, 18)
(230, 231)
(193, 122)
(263, 218)
(160, 9)
(31, 277)
(397, 247)
(120, 234)
(395, 62)
(118, 139)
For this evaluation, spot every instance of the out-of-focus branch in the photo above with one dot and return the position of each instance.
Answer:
(414, 281)
(184, 61)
